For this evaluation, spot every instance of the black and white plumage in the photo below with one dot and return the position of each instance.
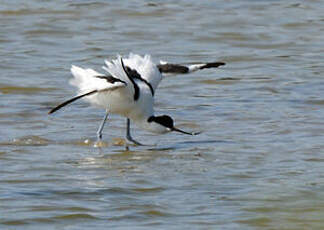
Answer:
(128, 90)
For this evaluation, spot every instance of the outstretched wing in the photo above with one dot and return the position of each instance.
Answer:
(90, 82)
(169, 68)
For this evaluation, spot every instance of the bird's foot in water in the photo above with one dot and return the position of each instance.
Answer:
(130, 140)
(100, 143)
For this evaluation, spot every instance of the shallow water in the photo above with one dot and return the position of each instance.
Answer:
(259, 163)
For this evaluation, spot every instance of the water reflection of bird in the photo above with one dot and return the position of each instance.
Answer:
(128, 90)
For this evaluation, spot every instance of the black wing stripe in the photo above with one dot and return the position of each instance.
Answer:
(134, 74)
(70, 101)
(110, 79)
(172, 68)
(149, 85)
(136, 88)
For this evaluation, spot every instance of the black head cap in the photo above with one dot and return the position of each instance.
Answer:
(164, 120)
(167, 122)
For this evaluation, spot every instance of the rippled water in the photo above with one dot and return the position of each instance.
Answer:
(259, 163)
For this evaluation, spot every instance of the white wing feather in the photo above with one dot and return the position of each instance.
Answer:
(115, 68)
(86, 80)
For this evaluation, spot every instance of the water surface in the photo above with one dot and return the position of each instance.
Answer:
(259, 163)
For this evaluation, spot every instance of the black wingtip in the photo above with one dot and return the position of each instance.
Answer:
(212, 65)
(123, 66)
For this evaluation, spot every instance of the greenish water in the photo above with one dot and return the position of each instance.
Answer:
(259, 163)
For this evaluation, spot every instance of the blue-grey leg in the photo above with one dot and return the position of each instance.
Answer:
(128, 135)
(99, 132)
